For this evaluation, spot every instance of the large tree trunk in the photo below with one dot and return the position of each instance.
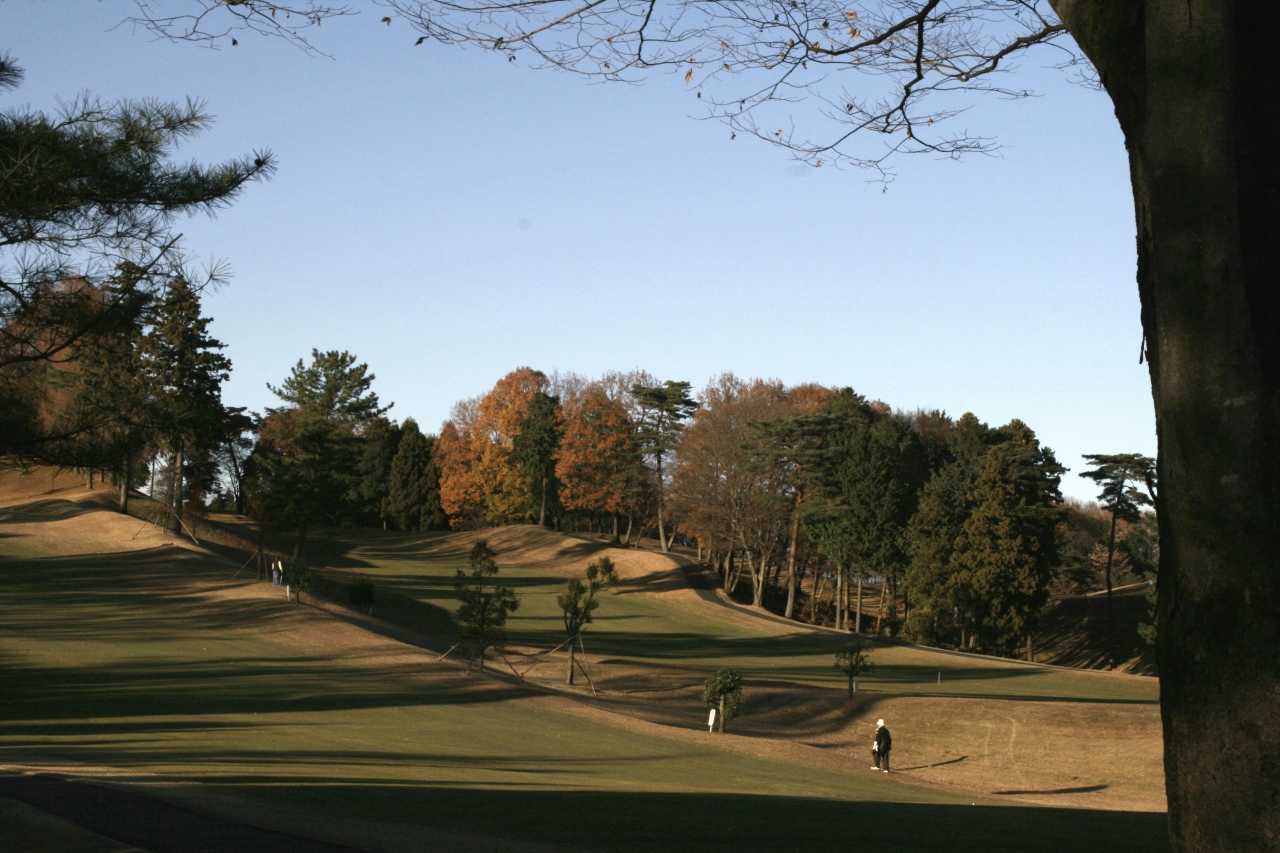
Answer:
(125, 474)
(791, 568)
(1198, 99)
(757, 579)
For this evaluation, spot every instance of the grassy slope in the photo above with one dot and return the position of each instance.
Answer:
(641, 621)
(155, 668)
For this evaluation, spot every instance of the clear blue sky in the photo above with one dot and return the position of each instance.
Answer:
(448, 216)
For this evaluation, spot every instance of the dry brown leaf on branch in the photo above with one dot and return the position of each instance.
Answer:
(386, 21)
(688, 75)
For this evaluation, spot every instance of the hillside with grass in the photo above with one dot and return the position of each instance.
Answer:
(168, 673)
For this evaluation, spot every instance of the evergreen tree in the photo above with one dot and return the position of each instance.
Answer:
(109, 425)
(1006, 553)
(308, 450)
(380, 441)
(413, 493)
(1123, 477)
(578, 602)
(184, 369)
(869, 476)
(983, 543)
(663, 409)
(84, 193)
(723, 691)
(534, 450)
(484, 608)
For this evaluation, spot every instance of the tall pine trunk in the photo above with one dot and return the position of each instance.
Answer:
(1198, 99)
(791, 569)
(542, 512)
(1111, 618)
(662, 535)
(177, 491)
(125, 474)
(857, 620)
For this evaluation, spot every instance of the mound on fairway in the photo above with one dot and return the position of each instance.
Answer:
(148, 668)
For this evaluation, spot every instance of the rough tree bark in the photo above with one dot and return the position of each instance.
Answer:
(1198, 98)
(857, 620)
(791, 567)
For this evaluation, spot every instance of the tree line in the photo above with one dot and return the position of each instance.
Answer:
(801, 498)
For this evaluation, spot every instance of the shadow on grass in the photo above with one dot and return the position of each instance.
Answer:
(616, 822)
(626, 822)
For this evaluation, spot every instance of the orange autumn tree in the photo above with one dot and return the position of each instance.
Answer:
(502, 486)
(598, 458)
(455, 451)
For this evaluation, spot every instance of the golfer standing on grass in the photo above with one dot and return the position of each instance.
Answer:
(880, 747)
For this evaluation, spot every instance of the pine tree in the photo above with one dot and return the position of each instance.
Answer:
(1123, 476)
(1006, 553)
(663, 410)
(868, 478)
(534, 449)
(308, 450)
(484, 607)
(413, 493)
(184, 369)
(380, 441)
(82, 192)
(983, 543)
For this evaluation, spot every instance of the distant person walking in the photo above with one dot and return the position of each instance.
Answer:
(880, 747)
(275, 573)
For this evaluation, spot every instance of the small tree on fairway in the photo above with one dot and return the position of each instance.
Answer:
(723, 690)
(578, 601)
(361, 595)
(484, 609)
(297, 577)
(852, 660)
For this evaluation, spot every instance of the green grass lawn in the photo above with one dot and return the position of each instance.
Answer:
(414, 576)
(108, 661)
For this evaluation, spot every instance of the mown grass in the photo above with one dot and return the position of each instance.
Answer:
(419, 570)
(111, 661)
